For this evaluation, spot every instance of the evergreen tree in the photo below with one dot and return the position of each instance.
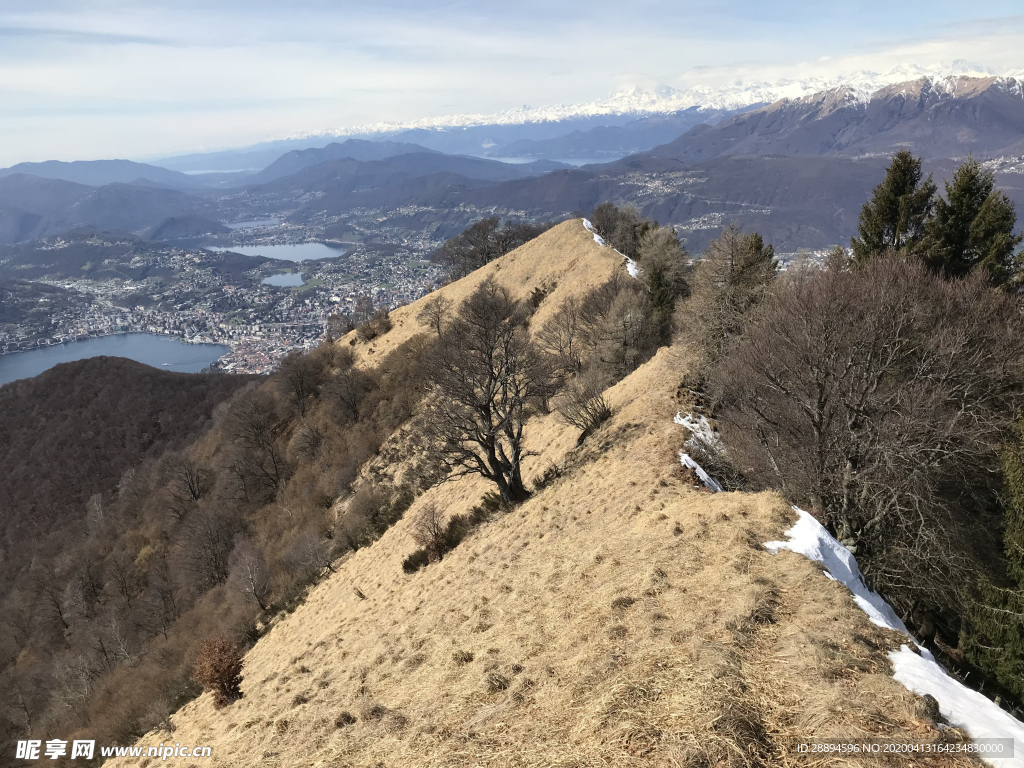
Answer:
(995, 643)
(894, 219)
(972, 227)
(665, 265)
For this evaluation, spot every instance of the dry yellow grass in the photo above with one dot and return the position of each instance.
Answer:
(564, 260)
(619, 617)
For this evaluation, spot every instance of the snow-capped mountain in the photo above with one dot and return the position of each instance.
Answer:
(637, 102)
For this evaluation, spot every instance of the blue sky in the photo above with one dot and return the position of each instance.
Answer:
(106, 78)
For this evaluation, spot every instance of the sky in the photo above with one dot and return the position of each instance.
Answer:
(91, 79)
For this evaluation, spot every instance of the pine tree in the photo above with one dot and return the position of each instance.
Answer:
(995, 643)
(894, 219)
(665, 265)
(973, 227)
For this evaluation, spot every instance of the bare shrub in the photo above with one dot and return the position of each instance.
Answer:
(218, 668)
(582, 404)
(378, 324)
(430, 531)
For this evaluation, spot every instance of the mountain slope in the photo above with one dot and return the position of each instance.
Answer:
(933, 118)
(76, 416)
(618, 617)
(98, 173)
(354, 149)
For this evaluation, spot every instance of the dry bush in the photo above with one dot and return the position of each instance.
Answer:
(378, 324)
(430, 531)
(218, 668)
(582, 403)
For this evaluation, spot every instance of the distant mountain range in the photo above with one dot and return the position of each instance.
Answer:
(500, 134)
(797, 168)
(945, 117)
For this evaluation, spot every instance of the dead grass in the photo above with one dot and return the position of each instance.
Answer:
(617, 618)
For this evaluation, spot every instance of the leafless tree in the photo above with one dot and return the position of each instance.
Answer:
(255, 426)
(561, 337)
(363, 309)
(189, 480)
(312, 553)
(482, 243)
(435, 312)
(300, 376)
(203, 548)
(485, 372)
(249, 572)
(879, 399)
(731, 279)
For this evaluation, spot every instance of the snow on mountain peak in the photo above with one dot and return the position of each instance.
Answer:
(635, 101)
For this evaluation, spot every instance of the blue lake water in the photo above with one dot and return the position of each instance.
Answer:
(290, 280)
(163, 352)
(288, 252)
(254, 223)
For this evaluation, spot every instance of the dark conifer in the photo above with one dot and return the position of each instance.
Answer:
(972, 226)
(995, 643)
(894, 218)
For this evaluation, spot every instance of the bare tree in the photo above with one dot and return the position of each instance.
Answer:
(879, 398)
(485, 372)
(204, 547)
(561, 337)
(255, 426)
(300, 376)
(435, 312)
(189, 480)
(312, 553)
(249, 572)
(727, 284)
(482, 243)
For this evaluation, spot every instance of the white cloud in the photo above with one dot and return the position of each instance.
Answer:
(105, 78)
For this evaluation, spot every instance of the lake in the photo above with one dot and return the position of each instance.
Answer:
(288, 252)
(165, 352)
(290, 280)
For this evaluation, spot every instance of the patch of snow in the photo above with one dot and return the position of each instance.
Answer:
(710, 483)
(631, 266)
(700, 430)
(965, 708)
(918, 672)
(809, 538)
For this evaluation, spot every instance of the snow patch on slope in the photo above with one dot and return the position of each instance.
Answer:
(700, 432)
(810, 539)
(919, 672)
(631, 266)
